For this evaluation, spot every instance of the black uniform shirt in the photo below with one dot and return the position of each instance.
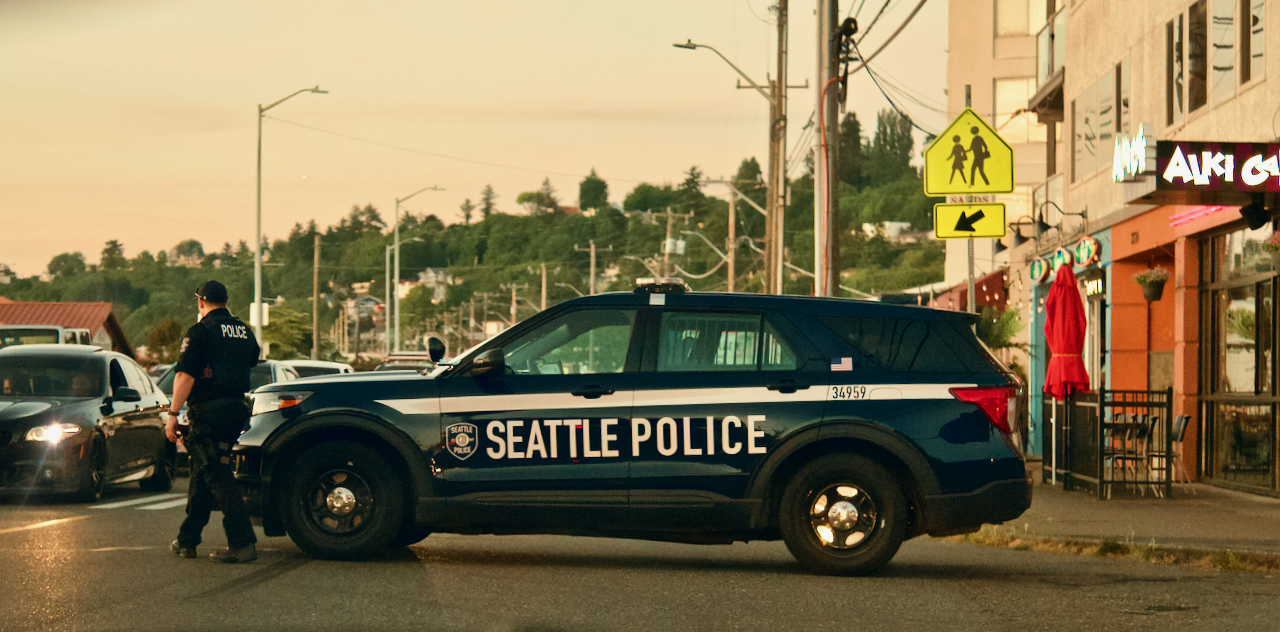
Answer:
(218, 351)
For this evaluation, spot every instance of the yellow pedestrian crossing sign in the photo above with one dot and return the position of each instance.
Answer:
(968, 158)
(967, 221)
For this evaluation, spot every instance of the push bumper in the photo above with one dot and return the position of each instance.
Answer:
(256, 487)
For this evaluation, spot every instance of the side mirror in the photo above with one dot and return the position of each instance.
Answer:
(435, 348)
(126, 394)
(490, 362)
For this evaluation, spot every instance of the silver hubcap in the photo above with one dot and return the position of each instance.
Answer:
(842, 516)
(341, 501)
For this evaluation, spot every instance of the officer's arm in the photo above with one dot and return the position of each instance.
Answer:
(192, 361)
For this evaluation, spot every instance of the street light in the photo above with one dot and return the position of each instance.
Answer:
(257, 232)
(774, 222)
(709, 244)
(396, 241)
(387, 323)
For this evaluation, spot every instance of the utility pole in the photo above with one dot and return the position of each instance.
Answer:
(824, 153)
(315, 303)
(513, 287)
(544, 282)
(592, 248)
(775, 235)
(732, 246)
(667, 245)
(472, 325)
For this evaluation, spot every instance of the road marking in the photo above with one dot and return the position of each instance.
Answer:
(38, 525)
(123, 548)
(173, 503)
(136, 501)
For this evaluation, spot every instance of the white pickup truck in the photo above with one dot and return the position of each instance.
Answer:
(43, 334)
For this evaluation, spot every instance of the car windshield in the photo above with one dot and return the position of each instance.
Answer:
(28, 376)
(28, 336)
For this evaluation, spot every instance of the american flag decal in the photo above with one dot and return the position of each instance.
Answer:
(841, 364)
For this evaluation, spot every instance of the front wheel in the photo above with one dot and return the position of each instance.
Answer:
(166, 468)
(93, 473)
(843, 514)
(342, 501)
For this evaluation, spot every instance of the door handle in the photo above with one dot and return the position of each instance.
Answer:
(592, 391)
(787, 386)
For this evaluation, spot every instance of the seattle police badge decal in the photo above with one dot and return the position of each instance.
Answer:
(461, 439)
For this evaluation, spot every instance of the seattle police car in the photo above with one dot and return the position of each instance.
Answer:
(841, 427)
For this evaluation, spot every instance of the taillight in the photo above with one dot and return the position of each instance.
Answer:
(992, 400)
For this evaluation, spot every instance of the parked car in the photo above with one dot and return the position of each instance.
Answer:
(414, 360)
(312, 368)
(43, 334)
(841, 427)
(75, 418)
(266, 372)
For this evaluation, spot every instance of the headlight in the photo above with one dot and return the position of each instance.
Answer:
(271, 402)
(52, 433)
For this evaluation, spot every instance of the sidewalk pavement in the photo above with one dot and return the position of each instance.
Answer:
(1199, 516)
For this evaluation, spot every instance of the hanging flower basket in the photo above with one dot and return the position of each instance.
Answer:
(1271, 245)
(1152, 281)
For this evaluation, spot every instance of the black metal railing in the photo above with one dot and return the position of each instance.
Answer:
(1110, 438)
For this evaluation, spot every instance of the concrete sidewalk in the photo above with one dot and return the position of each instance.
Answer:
(1200, 517)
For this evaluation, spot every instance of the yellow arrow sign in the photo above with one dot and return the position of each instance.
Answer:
(967, 221)
(968, 158)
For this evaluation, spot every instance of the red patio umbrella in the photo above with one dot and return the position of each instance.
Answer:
(1064, 325)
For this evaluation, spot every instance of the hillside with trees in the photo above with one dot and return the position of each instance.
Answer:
(508, 242)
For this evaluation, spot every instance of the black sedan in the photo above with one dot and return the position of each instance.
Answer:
(75, 418)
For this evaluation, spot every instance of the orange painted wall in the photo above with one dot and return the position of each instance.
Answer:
(1128, 328)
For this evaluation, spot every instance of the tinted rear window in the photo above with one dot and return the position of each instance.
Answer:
(312, 371)
(911, 346)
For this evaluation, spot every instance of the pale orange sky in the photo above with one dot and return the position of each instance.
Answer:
(136, 119)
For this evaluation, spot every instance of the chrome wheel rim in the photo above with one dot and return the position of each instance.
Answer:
(842, 516)
(340, 502)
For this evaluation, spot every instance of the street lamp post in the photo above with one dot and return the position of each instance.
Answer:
(257, 231)
(776, 96)
(387, 306)
(396, 242)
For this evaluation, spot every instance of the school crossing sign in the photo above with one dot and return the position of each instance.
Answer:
(968, 158)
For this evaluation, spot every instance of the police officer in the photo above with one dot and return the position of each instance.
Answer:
(213, 377)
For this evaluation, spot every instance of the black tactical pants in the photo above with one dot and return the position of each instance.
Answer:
(215, 426)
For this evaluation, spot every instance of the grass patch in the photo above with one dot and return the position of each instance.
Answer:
(1006, 538)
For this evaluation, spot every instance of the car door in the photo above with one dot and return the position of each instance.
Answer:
(147, 423)
(719, 391)
(544, 443)
(119, 420)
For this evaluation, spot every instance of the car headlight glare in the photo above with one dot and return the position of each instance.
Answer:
(52, 433)
(271, 402)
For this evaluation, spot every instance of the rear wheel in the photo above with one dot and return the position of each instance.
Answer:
(166, 470)
(342, 501)
(843, 514)
(93, 473)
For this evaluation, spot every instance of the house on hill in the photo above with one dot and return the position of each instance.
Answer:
(96, 317)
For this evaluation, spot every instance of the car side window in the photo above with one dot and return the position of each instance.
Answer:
(117, 376)
(582, 341)
(702, 341)
(137, 378)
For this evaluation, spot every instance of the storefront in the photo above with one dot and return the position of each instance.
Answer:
(1210, 336)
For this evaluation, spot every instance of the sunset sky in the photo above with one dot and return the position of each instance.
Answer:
(136, 120)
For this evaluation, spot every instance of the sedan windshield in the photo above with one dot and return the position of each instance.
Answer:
(28, 376)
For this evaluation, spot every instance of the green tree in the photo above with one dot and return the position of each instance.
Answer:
(164, 343)
(67, 264)
(487, 198)
(288, 333)
(593, 192)
(467, 209)
(889, 157)
(188, 250)
(647, 197)
(849, 155)
(113, 256)
(997, 329)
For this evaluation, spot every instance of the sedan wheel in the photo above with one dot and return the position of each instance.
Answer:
(93, 474)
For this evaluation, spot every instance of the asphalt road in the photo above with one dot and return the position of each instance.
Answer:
(108, 567)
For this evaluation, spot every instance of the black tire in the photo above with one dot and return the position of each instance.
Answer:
(93, 473)
(342, 502)
(843, 514)
(161, 480)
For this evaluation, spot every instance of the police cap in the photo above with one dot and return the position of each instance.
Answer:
(212, 292)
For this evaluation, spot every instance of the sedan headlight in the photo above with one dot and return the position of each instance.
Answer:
(271, 402)
(52, 433)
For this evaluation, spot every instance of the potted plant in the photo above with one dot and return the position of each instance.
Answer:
(1271, 246)
(1152, 281)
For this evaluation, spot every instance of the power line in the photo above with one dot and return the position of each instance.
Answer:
(886, 43)
(875, 19)
(886, 95)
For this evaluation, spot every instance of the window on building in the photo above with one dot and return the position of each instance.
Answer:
(1237, 308)
(1089, 130)
(1106, 115)
(1252, 38)
(1123, 124)
(1174, 79)
(1197, 55)
(1013, 17)
(1014, 124)
(1222, 35)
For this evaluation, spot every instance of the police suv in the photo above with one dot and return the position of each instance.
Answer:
(841, 427)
